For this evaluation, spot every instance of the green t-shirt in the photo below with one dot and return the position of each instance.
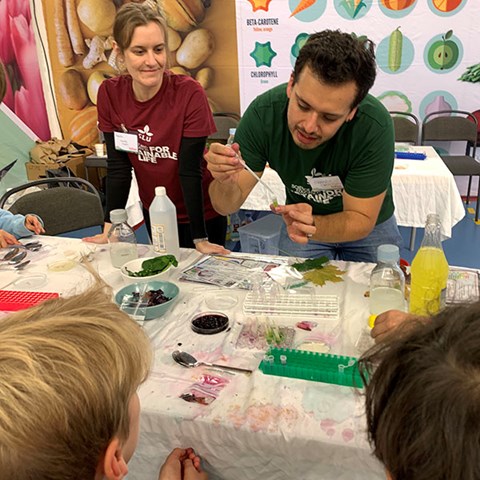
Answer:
(361, 154)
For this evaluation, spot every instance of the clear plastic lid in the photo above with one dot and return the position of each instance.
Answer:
(118, 216)
(388, 253)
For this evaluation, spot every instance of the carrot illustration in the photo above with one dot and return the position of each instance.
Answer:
(64, 47)
(302, 5)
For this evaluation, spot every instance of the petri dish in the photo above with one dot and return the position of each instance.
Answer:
(61, 265)
(30, 282)
(221, 301)
(209, 323)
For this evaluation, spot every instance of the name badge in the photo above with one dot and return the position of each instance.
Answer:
(126, 142)
(325, 183)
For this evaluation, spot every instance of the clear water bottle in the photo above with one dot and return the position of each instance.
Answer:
(121, 238)
(163, 220)
(428, 289)
(387, 282)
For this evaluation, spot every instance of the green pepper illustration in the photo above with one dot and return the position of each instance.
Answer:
(395, 46)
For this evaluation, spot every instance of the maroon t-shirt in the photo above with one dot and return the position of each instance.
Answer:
(179, 109)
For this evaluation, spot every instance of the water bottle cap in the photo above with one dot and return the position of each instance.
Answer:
(160, 191)
(388, 253)
(231, 131)
(118, 216)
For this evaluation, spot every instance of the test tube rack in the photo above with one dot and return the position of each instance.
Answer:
(13, 300)
(317, 367)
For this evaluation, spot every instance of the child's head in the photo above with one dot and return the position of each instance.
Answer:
(69, 370)
(423, 400)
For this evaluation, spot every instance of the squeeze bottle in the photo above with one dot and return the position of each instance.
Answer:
(163, 221)
(121, 238)
(387, 282)
(429, 272)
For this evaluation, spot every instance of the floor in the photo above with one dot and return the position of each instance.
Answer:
(461, 250)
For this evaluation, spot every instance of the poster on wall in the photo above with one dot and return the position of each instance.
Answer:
(18, 54)
(81, 54)
(427, 50)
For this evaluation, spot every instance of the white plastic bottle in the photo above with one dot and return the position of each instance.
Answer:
(122, 240)
(387, 281)
(163, 220)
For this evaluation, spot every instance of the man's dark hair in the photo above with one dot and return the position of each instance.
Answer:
(336, 57)
(423, 398)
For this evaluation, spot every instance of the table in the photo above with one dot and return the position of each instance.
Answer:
(419, 187)
(260, 426)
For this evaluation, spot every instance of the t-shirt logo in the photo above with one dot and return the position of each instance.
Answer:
(145, 134)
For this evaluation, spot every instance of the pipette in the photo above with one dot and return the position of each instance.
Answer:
(254, 175)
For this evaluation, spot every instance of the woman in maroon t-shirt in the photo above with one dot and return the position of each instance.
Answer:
(170, 117)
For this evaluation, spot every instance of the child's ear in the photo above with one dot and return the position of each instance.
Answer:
(113, 464)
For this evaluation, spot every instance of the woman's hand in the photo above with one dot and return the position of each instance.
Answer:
(99, 239)
(213, 248)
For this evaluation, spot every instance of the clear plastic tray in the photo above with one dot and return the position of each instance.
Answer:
(292, 304)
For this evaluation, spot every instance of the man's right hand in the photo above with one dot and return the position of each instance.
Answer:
(101, 238)
(223, 162)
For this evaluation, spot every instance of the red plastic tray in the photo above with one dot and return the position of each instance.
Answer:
(13, 300)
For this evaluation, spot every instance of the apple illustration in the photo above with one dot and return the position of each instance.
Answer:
(443, 54)
(94, 81)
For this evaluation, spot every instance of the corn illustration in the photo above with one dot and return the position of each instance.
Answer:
(395, 46)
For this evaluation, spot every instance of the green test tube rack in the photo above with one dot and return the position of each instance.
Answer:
(318, 367)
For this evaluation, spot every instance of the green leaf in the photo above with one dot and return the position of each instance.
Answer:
(310, 264)
(155, 265)
(448, 34)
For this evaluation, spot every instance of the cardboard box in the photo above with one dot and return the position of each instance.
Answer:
(39, 170)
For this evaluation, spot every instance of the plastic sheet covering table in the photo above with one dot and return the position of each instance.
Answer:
(419, 187)
(259, 426)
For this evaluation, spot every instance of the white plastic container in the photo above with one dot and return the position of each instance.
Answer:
(262, 235)
(163, 220)
(121, 238)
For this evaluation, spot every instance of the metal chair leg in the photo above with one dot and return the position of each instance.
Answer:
(413, 234)
(478, 200)
(468, 191)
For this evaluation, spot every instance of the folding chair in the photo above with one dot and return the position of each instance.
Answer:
(406, 126)
(224, 121)
(63, 209)
(455, 126)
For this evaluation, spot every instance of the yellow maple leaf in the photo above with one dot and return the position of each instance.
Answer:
(328, 273)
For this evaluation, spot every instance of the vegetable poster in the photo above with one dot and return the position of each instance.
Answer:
(427, 50)
(202, 42)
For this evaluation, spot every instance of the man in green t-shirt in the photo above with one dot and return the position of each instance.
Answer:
(332, 145)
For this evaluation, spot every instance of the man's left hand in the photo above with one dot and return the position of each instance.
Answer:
(299, 220)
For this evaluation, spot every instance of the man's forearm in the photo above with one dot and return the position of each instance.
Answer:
(342, 227)
(226, 198)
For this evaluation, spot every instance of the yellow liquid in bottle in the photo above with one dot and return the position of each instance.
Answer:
(429, 281)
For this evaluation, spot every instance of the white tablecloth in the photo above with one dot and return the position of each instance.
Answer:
(260, 426)
(419, 187)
